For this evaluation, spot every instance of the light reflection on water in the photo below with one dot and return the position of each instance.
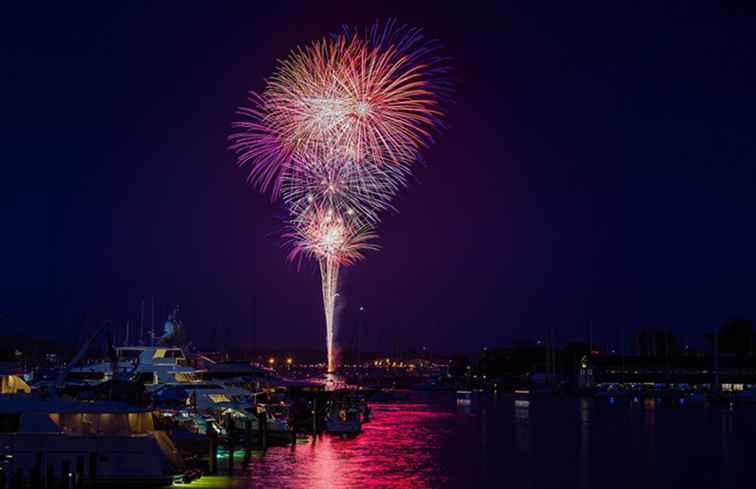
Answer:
(436, 442)
(396, 449)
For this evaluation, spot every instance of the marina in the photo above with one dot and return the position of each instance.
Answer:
(168, 416)
(379, 245)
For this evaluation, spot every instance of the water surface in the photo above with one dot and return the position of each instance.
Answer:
(435, 441)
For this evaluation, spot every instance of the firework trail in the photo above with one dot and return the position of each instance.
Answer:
(333, 240)
(334, 135)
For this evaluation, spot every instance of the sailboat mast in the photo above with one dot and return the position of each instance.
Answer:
(152, 341)
(141, 325)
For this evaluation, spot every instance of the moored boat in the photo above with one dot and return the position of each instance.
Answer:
(111, 442)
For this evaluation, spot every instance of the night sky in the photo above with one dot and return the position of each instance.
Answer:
(598, 165)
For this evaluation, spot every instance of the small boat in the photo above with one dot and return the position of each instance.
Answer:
(343, 420)
(522, 398)
(206, 396)
(278, 420)
(464, 397)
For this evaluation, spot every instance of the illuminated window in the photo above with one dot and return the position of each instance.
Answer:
(219, 398)
(184, 377)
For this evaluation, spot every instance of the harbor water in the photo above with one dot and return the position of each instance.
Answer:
(436, 440)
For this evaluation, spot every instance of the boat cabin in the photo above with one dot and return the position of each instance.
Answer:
(30, 414)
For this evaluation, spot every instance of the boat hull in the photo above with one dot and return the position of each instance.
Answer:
(120, 461)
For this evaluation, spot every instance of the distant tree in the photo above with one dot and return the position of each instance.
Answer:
(657, 342)
(527, 358)
(736, 337)
(496, 362)
(458, 365)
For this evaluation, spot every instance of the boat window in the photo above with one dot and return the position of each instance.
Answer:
(11, 384)
(140, 423)
(185, 377)
(113, 424)
(94, 423)
(9, 422)
(219, 398)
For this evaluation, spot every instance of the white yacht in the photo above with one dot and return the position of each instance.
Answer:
(114, 443)
(160, 363)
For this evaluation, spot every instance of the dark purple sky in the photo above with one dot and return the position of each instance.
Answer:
(598, 165)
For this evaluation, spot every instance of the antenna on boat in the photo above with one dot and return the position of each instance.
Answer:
(141, 325)
(126, 340)
(152, 341)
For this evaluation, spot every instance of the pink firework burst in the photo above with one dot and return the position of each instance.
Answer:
(359, 97)
(325, 234)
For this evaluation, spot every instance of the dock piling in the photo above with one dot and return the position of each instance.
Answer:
(264, 430)
(50, 477)
(79, 470)
(230, 431)
(262, 423)
(92, 469)
(247, 440)
(314, 416)
(36, 472)
(212, 436)
(65, 474)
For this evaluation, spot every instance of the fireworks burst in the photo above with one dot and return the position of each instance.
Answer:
(358, 191)
(324, 234)
(334, 134)
(371, 97)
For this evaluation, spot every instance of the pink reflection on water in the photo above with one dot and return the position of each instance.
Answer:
(397, 449)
